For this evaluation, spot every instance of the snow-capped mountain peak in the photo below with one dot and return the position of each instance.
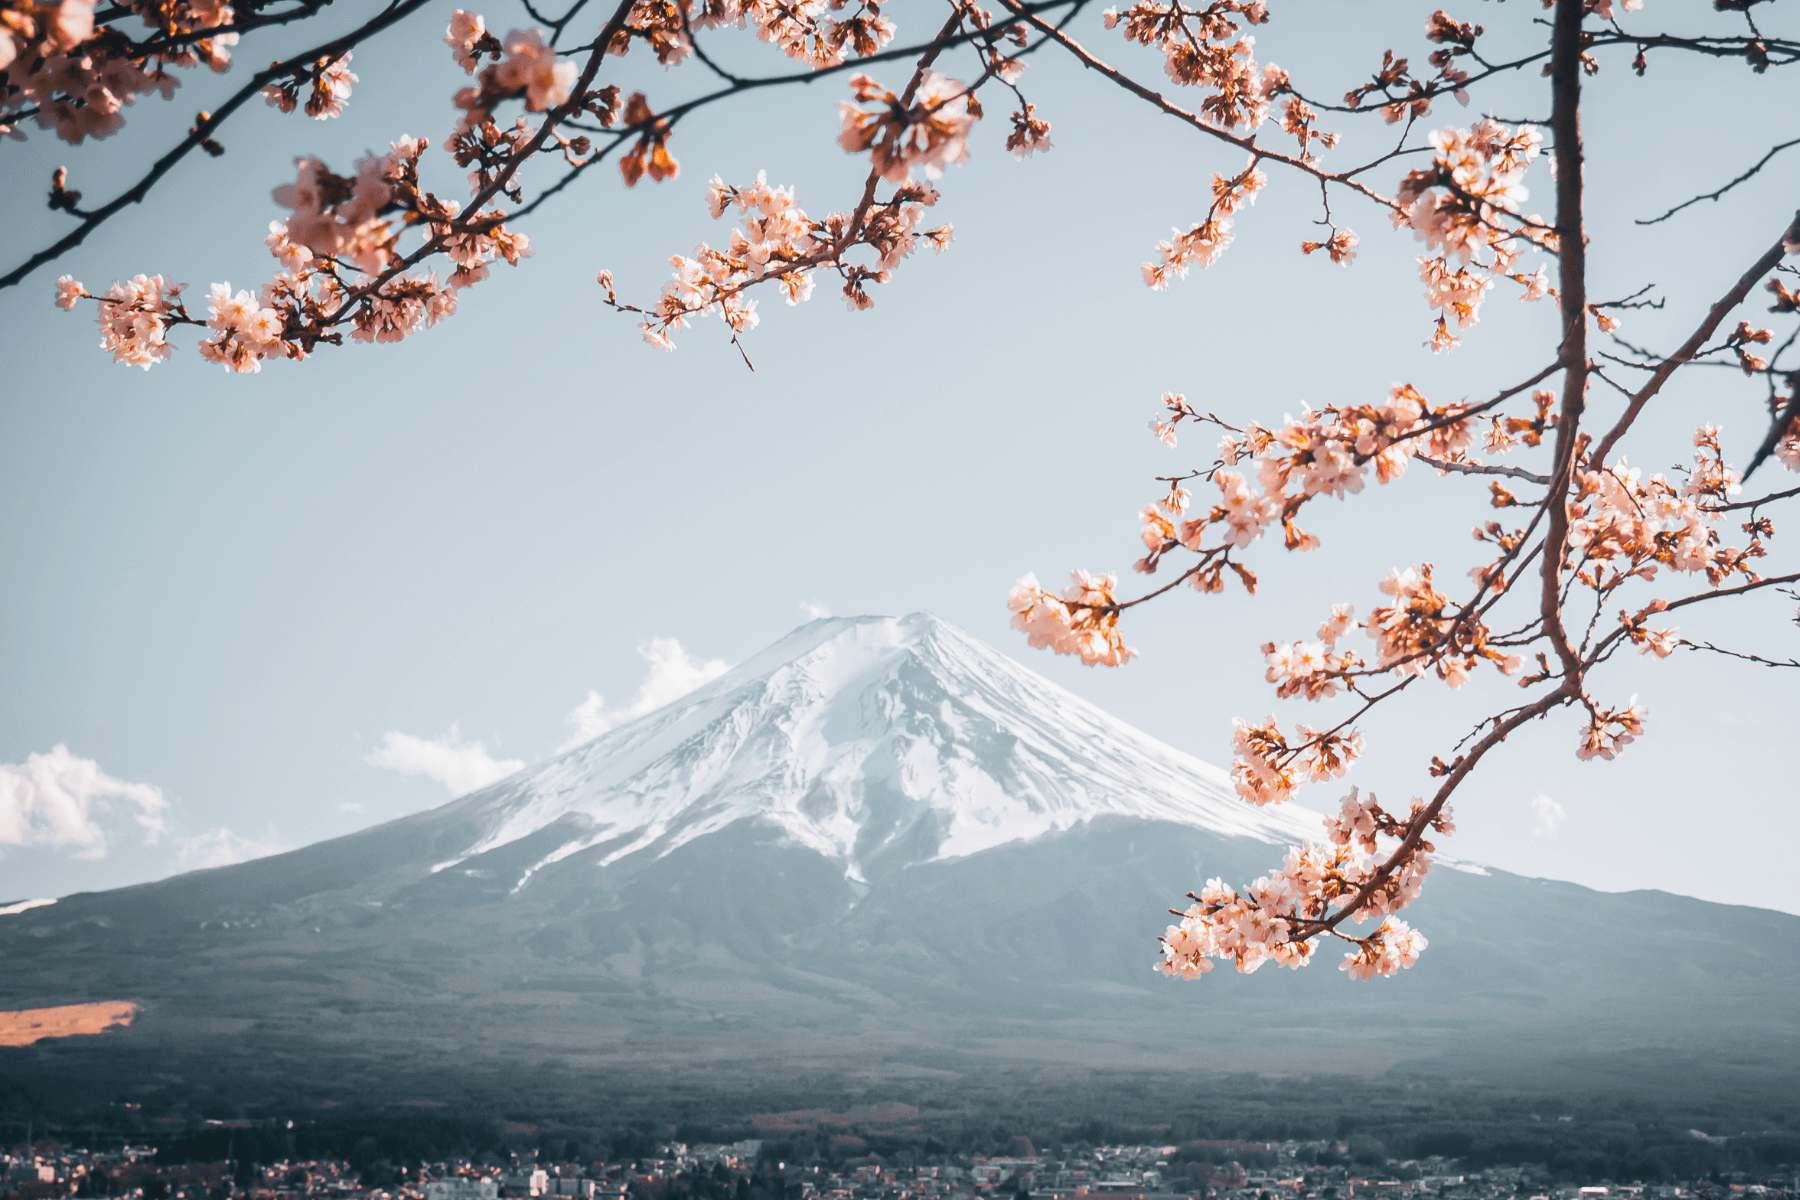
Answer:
(877, 742)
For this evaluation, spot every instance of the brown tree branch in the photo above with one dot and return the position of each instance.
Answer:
(203, 130)
(1246, 144)
(1695, 341)
(1565, 124)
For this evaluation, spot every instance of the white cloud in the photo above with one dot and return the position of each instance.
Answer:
(1549, 815)
(814, 609)
(352, 807)
(222, 847)
(13, 910)
(673, 674)
(462, 767)
(58, 799)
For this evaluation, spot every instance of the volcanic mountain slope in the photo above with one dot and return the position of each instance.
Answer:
(877, 841)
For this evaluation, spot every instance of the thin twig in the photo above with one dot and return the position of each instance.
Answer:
(1466, 468)
(1760, 164)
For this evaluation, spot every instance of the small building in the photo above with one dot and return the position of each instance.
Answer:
(462, 1187)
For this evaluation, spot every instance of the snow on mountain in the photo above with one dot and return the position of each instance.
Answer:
(876, 846)
(878, 742)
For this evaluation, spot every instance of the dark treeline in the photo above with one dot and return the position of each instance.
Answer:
(1647, 1134)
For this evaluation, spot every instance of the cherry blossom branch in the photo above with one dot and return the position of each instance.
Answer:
(202, 133)
(1248, 144)
(1714, 317)
(1422, 818)
(473, 220)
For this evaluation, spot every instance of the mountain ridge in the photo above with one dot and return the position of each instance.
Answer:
(878, 846)
(811, 762)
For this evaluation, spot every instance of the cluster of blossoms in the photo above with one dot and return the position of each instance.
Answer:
(1327, 453)
(802, 28)
(1608, 730)
(339, 255)
(1208, 49)
(929, 134)
(1413, 633)
(1202, 244)
(523, 68)
(1623, 526)
(1083, 621)
(134, 316)
(1787, 450)
(781, 244)
(1280, 917)
(1311, 669)
(1465, 207)
(327, 81)
(1268, 769)
(1399, 95)
(77, 78)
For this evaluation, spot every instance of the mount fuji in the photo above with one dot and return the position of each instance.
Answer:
(878, 845)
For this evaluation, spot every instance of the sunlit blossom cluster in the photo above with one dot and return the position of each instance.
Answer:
(1282, 916)
(526, 69)
(1623, 525)
(927, 134)
(339, 257)
(78, 77)
(327, 83)
(1268, 769)
(1206, 240)
(1465, 207)
(134, 316)
(815, 32)
(1608, 731)
(778, 243)
(1208, 49)
(1081, 622)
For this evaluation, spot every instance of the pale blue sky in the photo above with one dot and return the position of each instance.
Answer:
(233, 587)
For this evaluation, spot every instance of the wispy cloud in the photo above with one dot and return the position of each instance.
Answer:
(462, 767)
(60, 799)
(1549, 815)
(814, 609)
(222, 847)
(673, 674)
